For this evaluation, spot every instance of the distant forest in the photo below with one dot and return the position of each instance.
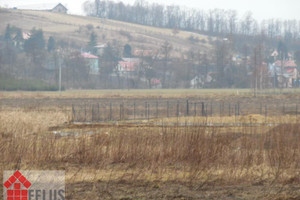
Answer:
(217, 22)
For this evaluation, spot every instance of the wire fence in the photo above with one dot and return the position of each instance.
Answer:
(102, 112)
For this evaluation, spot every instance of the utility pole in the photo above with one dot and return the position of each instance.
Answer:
(59, 73)
(59, 63)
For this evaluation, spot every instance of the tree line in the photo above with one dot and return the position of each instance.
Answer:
(216, 22)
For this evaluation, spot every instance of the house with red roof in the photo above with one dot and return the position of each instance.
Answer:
(286, 72)
(128, 67)
(93, 62)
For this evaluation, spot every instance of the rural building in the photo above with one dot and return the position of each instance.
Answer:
(92, 62)
(156, 83)
(127, 67)
(283, 73)
(100, 49)
(52, 7)
(196, 83)
(59, 8)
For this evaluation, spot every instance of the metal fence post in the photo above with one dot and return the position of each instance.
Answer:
(73, 113)
(187, 108)
(167, 108)
(92, 112)
(211, 109)
(146, 111)
(120, 112)
(266, 113)
(98, 114)
(177, 109)
(110, 112)
(85, 120)
(156, 109)
(134, 110)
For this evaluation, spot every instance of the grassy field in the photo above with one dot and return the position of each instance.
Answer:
(153, 161)
(73, 29)
(167, 93)
(156, 93)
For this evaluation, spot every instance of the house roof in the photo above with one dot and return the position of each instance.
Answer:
(137, 60)
(275, 53)
(41, 6)
(155, 81)
(285, 63)
(26, 35)
(101, 46)
(59, 5)
(128, 66)
(88, 55)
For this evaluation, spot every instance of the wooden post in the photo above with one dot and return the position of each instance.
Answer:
(229, 109)
(195, 109)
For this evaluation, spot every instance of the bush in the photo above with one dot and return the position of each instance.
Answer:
(193, 39)
(90, 27)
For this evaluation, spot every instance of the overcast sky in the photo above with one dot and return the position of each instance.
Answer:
(261, 9)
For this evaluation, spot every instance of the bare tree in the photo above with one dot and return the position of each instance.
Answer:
(166, 49)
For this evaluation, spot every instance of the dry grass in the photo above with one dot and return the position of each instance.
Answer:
(157, 93)
(198, 157)
(159, 153)
(22, 122)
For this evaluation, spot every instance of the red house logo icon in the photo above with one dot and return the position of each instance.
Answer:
(17, 187)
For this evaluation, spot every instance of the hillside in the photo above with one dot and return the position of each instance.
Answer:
(76, 30)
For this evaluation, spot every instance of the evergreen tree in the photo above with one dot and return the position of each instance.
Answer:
(51, 44)
(92, 43)
(127, 51)
(8, 31)
(35, 43)
(19, 38)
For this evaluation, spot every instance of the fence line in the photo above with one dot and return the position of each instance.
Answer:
(101, 112)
